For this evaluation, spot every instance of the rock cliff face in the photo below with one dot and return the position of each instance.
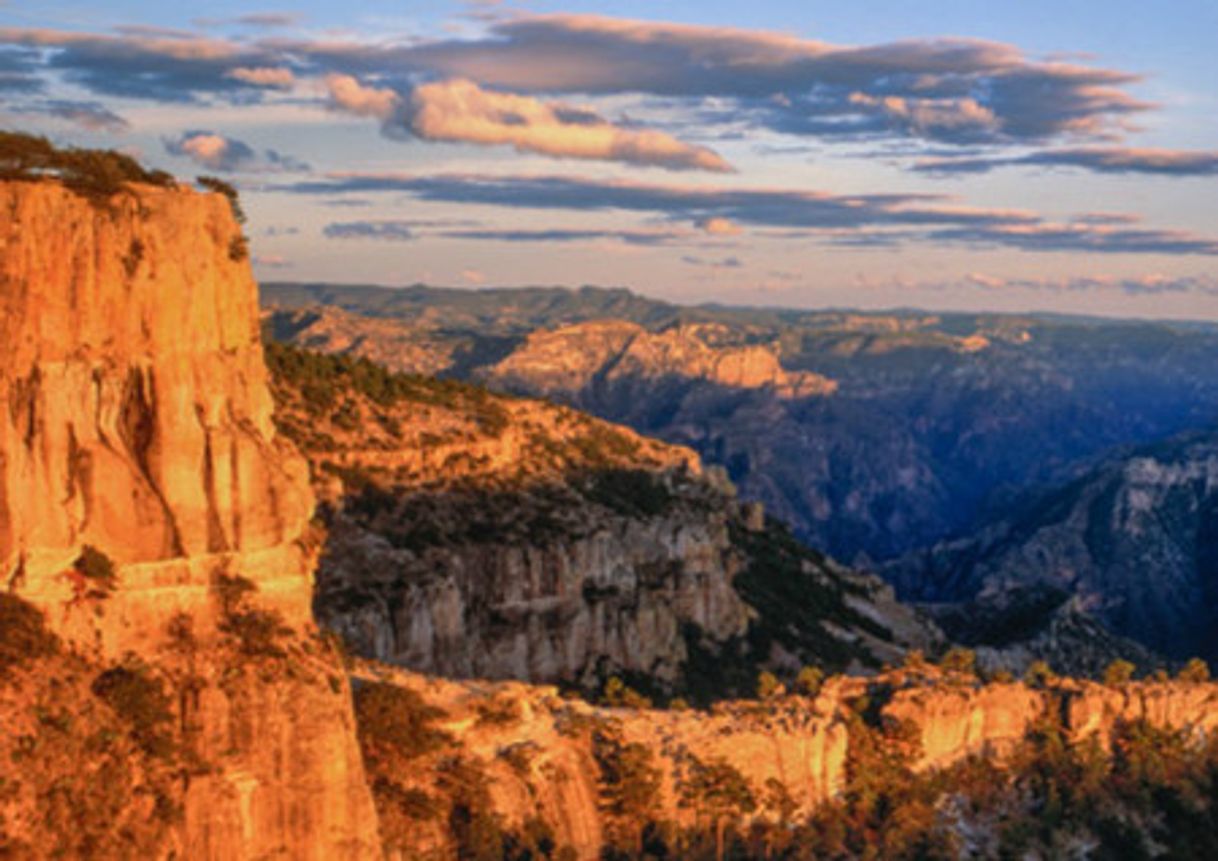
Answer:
(1132, 541)
(475, 535)
(137, 417)
(616, 355)
(536, 752)
(137, 423)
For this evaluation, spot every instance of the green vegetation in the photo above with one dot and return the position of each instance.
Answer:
(1118, 673)
(324, 380)
(619, 695)
(629, 789)
(1150, 794)
(257, 633)
(139, 698)
(629, 492)
(97, 568)
(213, 183)
(795, 595)
(959, 660)
(396, 730)
(1196, 671)
(23, 634)
(94, 174)
(395, 722)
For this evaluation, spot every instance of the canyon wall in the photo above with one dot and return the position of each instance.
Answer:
(538, 762)
(137, 429)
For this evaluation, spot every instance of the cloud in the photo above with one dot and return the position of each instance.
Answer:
(866, 219)
(269, 19)
(1142, 285)
(473, 276)
(390, 231)
(156, 67)
(92, 116)
(725, 263)
(720, 227)
(405, 230)
(953, 90)
(950, 89)
(272, 261)
(229, 155)
(629, 237)
(1113, 160)
(262, 20)
(18, 69)
(460, 111)
(1080, 237)
(348, 95)
(272, 77)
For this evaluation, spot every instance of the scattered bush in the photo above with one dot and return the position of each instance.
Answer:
(618, 694)
(1196, 671)
(140, 700)
(23, 633)
(1039, 675)
(1118, 673)
(959, 660)
(214, 183)
(809, 681)
(258, 633)
(94, 174)
(97, 568)
(768, 685)
(396, 721)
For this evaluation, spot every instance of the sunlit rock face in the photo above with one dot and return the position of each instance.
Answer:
(137, 421)
(137, 417)
(799, 745)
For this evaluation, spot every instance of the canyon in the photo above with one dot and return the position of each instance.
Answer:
(174, 515)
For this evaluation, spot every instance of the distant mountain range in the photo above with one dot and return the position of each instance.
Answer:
(875, 435)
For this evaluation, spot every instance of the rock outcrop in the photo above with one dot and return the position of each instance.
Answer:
(615, 354)
(477, 535)
(536, 751)
(139, 466)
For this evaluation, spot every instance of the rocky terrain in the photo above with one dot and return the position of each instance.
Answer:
(150, 510)
(872, 434)
(1132, 542)
(476, 535)
(583, 777)
(165, 501)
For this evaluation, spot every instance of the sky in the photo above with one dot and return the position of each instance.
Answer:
(948, 154)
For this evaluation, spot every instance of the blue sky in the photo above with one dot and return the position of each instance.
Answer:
(946, 154)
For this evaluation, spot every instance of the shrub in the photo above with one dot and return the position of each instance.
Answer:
(238, 249)
(809, 681)
(140, 700)
(768, 685)
(959, 660)
(1119, 672)
(257, 632)
(1039, 675)
(1195, 671)
(96, 567)
(23, 633)
(618, 694)
(214, 183)
(502, 711)
(94, 174)
(396, 720)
